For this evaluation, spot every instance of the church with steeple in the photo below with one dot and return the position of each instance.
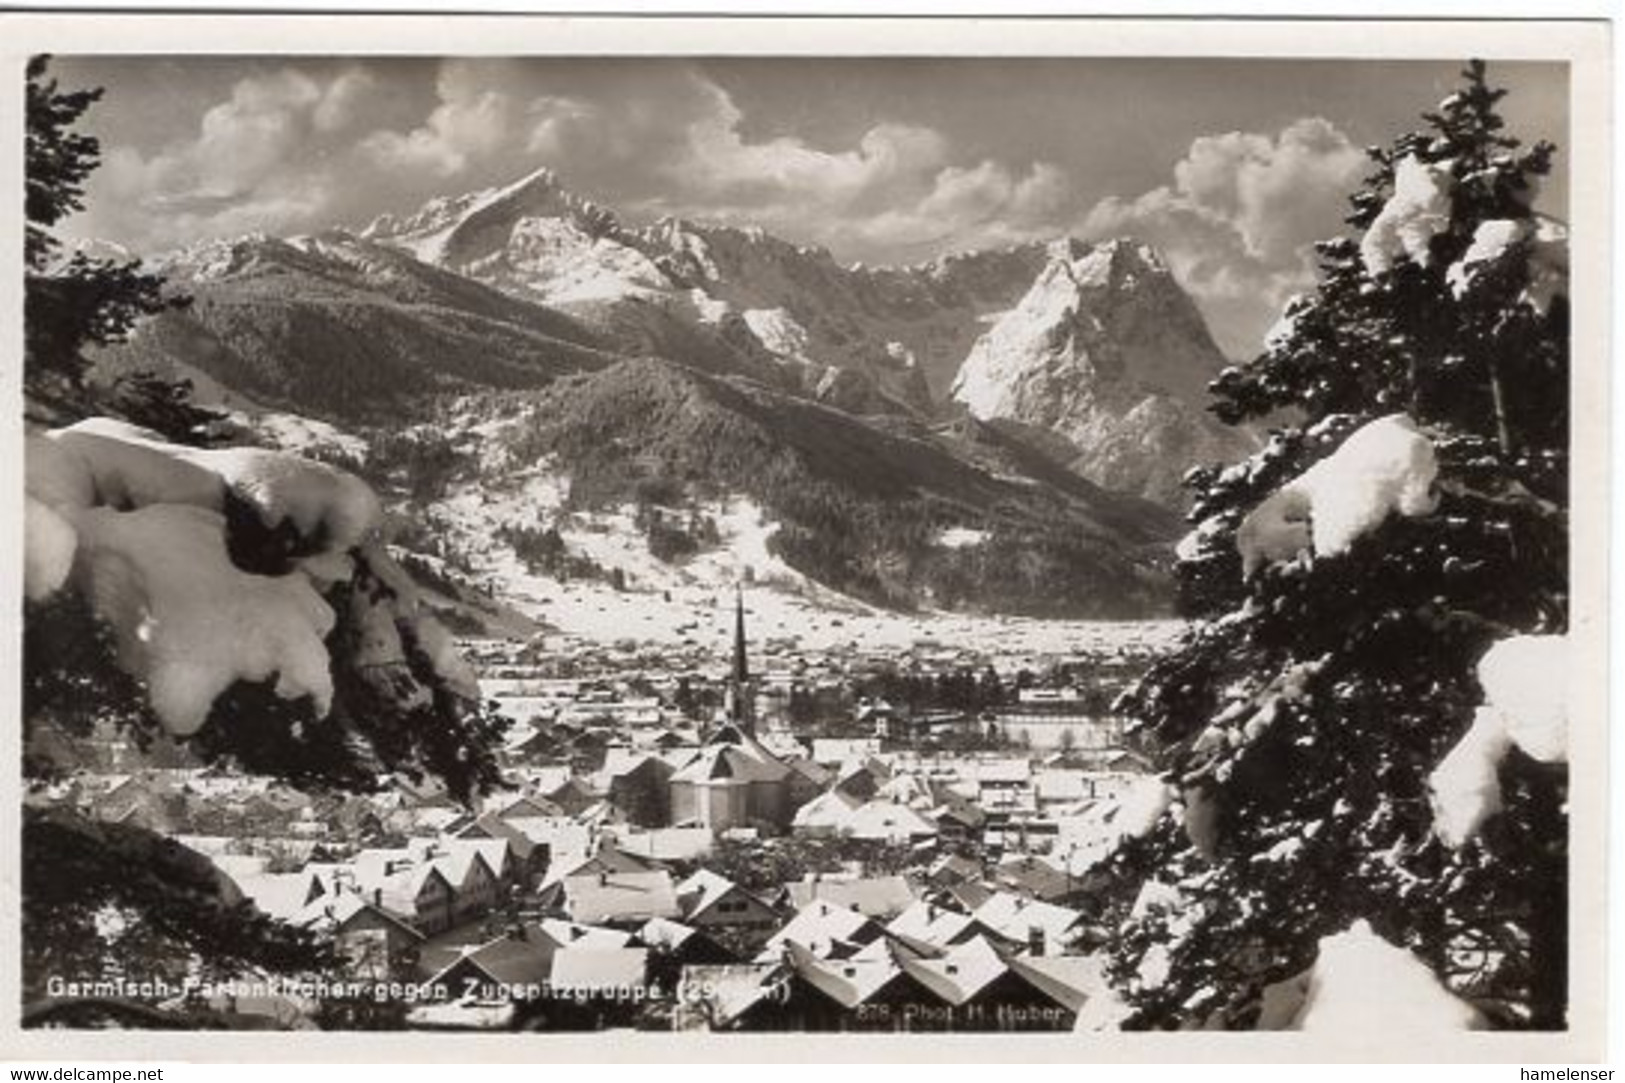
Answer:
(733, 781)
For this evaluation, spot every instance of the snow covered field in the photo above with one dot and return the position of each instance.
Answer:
(691, 601)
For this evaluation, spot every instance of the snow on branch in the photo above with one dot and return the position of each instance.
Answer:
(1418, 211)
(1545, 243)
(1360, 984)
(1525, 706)
(189, 622)
(1383, 467)
(144, 529)
(109, 462)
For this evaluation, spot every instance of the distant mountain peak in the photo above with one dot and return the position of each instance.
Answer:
(455, 231)
(1106, 350)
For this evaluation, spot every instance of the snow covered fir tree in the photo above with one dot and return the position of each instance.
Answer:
(238, 600)
(1363, 735)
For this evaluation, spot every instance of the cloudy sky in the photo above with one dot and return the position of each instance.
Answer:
(1232, 167)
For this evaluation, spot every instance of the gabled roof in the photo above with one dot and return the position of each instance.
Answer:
(825, 930)
(1015, 916)
(333, 911)
(960, 974)
(574, 934)
(957, 866)
(600, 970)
(1069, 980)
(665, 934)
(1029, 874)
(931, 924)
(849, 982)
(908, 790)
(732, 989)
(508, 960)
(970, 894)
(887, 820)
(280, 895)
(727, 763)
(608, 858)
(456, 858)
(699, 892)
(812, 771)
(872, 896)
(531, 806)
(667, 843)
(620, 896)
(489, 825)
(829, 809)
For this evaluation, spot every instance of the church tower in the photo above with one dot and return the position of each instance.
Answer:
(740, 701)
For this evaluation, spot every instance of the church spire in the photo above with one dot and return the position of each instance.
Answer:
(741, 668)
(740, 700)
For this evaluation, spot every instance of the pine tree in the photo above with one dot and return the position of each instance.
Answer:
(1299, 721)
(77, 303)
(107, 899)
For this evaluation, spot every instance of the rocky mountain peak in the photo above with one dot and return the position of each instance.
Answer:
(1107, 351)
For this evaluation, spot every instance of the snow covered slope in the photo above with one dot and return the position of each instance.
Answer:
(1107, 351)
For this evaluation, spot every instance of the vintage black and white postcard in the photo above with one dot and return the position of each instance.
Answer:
(999, 538)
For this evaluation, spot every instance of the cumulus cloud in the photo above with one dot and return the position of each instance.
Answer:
(294, 150)
(1238, 222)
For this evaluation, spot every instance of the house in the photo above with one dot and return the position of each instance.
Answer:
(1044, 927)
(528, 859)
(563, 841)
(1034, 877)
(733, 996)
(1069, 981)
(873, 896)
(573, 934)
(375, 944)
(869, 991)
(515, 962)
(711, 900)
(609, 858)
(826, 930)
(280, 895)
(414, 890)
(591, 989)
(907, 789)
(936, 926)
(826, 814)
(953, 869)
(831, 752)
(642, 790)
(476, 889)
(673, 945)
(592, 973)
(886, 821)
(572, 797)
(667, 843)
(981, 991)
(620, 898)
(532, 805)
(862, 779)
(807, 779)
(732, 782)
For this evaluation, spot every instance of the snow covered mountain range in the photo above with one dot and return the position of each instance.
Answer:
(1097, 344)
(1045, 398)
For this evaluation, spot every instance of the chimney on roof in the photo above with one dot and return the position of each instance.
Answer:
(1035, 940)
(378, 896)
